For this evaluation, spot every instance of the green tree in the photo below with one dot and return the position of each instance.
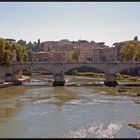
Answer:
(30, 55)
(8, 46)
(128, 51)
(21, 53)
(74, 72)
(75, 55)
(2, 46)
(6, 54)
(8, 57)
(136, 55)
(69, 58)
(21, 42)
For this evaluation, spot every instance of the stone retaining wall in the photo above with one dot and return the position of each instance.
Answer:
(2, 74)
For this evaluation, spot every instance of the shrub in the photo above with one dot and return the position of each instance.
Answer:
(74, 72)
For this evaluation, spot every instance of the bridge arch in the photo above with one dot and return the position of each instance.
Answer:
(84, 69)
(96, 67)
(42, 69)
(31, 67)
(127, 67)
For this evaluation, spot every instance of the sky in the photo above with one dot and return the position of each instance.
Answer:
(107, 22)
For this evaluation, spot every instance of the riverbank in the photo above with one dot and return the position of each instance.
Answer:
(119, 77)
(8, 84)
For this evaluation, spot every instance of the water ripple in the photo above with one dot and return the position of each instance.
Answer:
(98, 130)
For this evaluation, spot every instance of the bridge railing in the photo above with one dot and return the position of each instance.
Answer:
(126, 62)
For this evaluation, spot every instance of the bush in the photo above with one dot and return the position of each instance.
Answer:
(74, 72)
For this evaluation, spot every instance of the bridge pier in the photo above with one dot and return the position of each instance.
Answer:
(58, 79)
(8, 77)
(16, 77)
(110, 80)
(28, 71)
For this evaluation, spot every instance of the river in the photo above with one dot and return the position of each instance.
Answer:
(67, 112)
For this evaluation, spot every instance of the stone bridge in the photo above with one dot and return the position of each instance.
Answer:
(59, 69)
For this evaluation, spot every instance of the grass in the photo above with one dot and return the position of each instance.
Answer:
(123, 78)
(120, 78)
(91, 74)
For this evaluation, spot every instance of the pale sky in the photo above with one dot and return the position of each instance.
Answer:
(107, 22)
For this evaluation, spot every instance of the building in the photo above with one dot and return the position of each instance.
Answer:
(97, 54)
(86, 53)
(107, 54)
(51, 56)
(89, 51)
(42, 56)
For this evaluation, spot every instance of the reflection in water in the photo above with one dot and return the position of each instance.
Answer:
(57, 96)
(71, 112)
(63, 95)
(9, 103)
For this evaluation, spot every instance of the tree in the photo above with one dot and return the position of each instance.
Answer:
(136, 55)
(135, 38)
(21, 53)
(74, 72)
(8, 46)
(127, 51)
(8, 57)
(30, 55)
(21, 42)
(69, 58)
(2, 46)
(6, 54)
(130, 51)
(75, 55)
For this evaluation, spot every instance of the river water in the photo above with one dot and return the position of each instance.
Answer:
(67, 112)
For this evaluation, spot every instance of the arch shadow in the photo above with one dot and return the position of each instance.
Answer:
(84, 69)
(133, 71)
